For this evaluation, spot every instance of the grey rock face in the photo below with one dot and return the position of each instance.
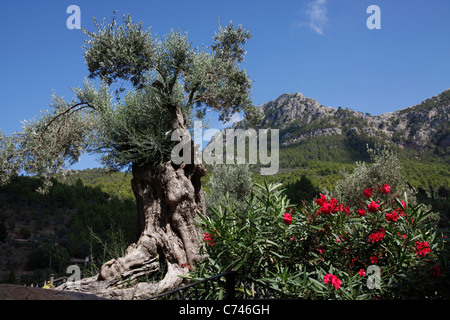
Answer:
(299, 117)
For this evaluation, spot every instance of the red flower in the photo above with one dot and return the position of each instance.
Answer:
(386, 189)
(377, 236)
(400, 212)
(331, 206)
(422, 248)
(333, 202)
(436, 272)
(336, 283)
(373, 259)
(368, 193)
(287, 218)
(403, 236)
(328, 278)
(346, 210)
(361, 212)
(326, 208)
(184, 265)
(362, 272)
(208, 237)
(332, 279)
(373, 207)
(321, 250)
(320, 201)
(392, 216)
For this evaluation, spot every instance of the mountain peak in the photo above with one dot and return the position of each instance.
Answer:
(299, 118)
(289, 107)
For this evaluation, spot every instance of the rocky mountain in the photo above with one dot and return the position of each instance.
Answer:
(426, 125)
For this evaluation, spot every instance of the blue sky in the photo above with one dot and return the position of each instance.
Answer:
(321, 48)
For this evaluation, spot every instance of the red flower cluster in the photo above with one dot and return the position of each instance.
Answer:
(287, 218)
(331, 206)
(361, 212)
(332, 279)
(185, 265)
(373, 207)
(208, 237)
(368, 193)
(391, 216)
(422, 248)
(377, 236)
(326, 207)
(394, 215)
(385, 189)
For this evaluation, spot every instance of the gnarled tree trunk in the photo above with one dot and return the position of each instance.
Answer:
(167, 198)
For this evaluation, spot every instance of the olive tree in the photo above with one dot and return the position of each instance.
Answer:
(229, 183)
(385, 167)
(142, 89)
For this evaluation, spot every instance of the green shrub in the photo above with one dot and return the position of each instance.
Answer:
(234, 180)
(112, 245)
(24, 233)
(325, 249)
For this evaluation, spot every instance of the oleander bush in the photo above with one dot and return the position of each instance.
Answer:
(382, 247)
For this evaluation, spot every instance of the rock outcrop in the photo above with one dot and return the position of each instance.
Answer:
(299, 117)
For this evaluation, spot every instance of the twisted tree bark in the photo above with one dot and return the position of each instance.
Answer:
(167, 199)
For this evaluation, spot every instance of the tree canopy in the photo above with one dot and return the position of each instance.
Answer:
(164, 77)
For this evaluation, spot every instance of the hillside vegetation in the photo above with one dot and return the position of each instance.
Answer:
(39, 234)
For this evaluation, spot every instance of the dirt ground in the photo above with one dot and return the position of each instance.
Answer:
(15, 292)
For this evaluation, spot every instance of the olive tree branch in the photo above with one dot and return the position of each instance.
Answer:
(72, 110)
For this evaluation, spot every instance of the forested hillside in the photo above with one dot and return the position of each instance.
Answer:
(39, 234)
(114, 183)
